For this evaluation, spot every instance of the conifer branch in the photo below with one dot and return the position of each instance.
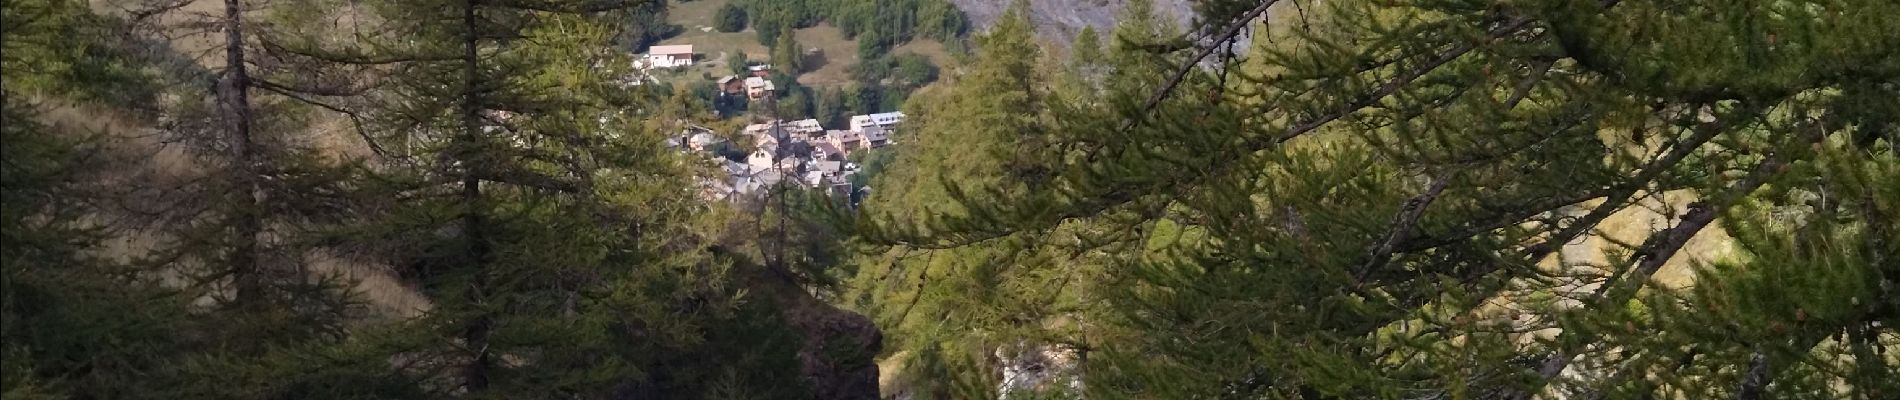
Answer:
(1207, 49)
(1615, 196)
(1403, 224)
(356, 119)
(1656, 251)
(1621, 196)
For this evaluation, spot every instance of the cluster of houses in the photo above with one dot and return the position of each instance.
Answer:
(755, 84)
(802, 151)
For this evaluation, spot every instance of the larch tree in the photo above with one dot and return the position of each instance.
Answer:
(216, 308)
(786, 54)
(959, 315)
(1387, 200)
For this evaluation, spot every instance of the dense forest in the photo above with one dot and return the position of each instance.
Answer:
(1286, 199)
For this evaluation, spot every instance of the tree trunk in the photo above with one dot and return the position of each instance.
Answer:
(234, 99)
(476, 332)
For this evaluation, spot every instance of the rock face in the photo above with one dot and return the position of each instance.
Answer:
(1035, 371)
(838, 357)
(839, 351)
(1059, 20)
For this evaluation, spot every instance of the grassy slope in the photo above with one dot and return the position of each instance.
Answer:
(833, 57)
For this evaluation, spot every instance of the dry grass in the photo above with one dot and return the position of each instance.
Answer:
(830, 64)
(386, 295)
(1652, 214)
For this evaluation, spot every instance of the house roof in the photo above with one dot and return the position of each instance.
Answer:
(737, 168)
(704, 138)
(806, 125)
(843, 135)
(671, 49)
(878, 118)
(757, 129)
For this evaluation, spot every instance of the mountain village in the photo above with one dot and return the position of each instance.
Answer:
(803, 151)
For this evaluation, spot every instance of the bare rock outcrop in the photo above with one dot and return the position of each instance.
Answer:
(1058, 21)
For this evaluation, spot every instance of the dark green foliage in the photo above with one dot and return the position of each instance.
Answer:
(60, 47)
(863, 99)
(874, 45)
(553, 232)
(67, 320)
(882, 23)
(786, 84)
(646, 25)
(738, 61)
(871, 71)
(913, 70)
(729, 18)
(892, 98)
(509, 182)
(770, 18)
(871, 164)
(704, 90)
(906, 71)
(796, 103)
(896, 22)
(830, 109)
(769, 30)
(1418, 200)
(787, 55)
(1407, 200)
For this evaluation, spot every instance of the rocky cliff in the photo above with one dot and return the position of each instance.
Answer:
(1059, 20)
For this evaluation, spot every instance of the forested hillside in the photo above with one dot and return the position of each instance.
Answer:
(1283, 199)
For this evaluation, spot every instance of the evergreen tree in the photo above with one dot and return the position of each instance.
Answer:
(961, 314)
(738, 61)
(544, 209)
(786, 54)
(941, 21)
(645, 24)
(1086, 56)
(796, 103)
(830, 109)
(1386, 201)
(913, 71)
(213, 310)
(71, 324)
(729, 18)
(873, 44)
(769, 27)
(863, 98)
